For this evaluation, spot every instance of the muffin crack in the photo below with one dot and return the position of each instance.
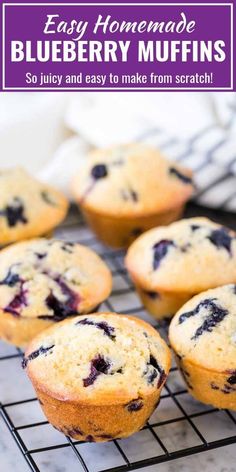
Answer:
(221, 239)
(14, 213)
(98, 365)
(160, 250)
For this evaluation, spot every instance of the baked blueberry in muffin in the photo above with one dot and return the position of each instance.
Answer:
(130, 187)
(14, 212)
(203, 337)
(98, 377)
(99, 171)
(172, 263)
(45, 281)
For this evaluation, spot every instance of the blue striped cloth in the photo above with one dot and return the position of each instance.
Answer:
(196, 129)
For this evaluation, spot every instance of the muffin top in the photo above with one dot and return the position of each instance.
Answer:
(28, 207)
(100, 358)
(131, 179)
(50, 279)
(190, 255)
(204, 330)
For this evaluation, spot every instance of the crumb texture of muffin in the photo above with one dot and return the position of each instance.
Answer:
(44, 281)
(28, 208)
(172, 263)
(98, 377)
(125, 190)
(203, 337)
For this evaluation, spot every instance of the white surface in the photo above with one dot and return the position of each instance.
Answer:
(112, 118)
(31, 128)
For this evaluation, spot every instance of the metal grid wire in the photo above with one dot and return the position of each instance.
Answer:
(179, 427)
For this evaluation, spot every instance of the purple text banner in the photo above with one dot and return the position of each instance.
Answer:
(162, 46)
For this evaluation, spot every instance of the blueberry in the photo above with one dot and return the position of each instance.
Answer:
(99, 171)
(161, 371)
(227, 389)
(99, 366)
(203, 304)
(215, 315)
(152, 376)
(232, 379)
(17, 303)
(90, 438)
(11, 279)
(184, 178)
(152, 295)
(61, 309)
(40, 255)
(14, 213)
(154, 372)
(221, 239)
(39, 352)
(160, 251)
(153, 362)
(134, 405)
(67, 291)
(107, 330)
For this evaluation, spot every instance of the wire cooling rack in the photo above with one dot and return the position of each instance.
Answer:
(179, 427)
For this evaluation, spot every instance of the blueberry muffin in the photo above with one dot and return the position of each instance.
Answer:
(28, 208)
(98, 377)
(203, 337)
(125, 190)
(171, 264)
(44, 281)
